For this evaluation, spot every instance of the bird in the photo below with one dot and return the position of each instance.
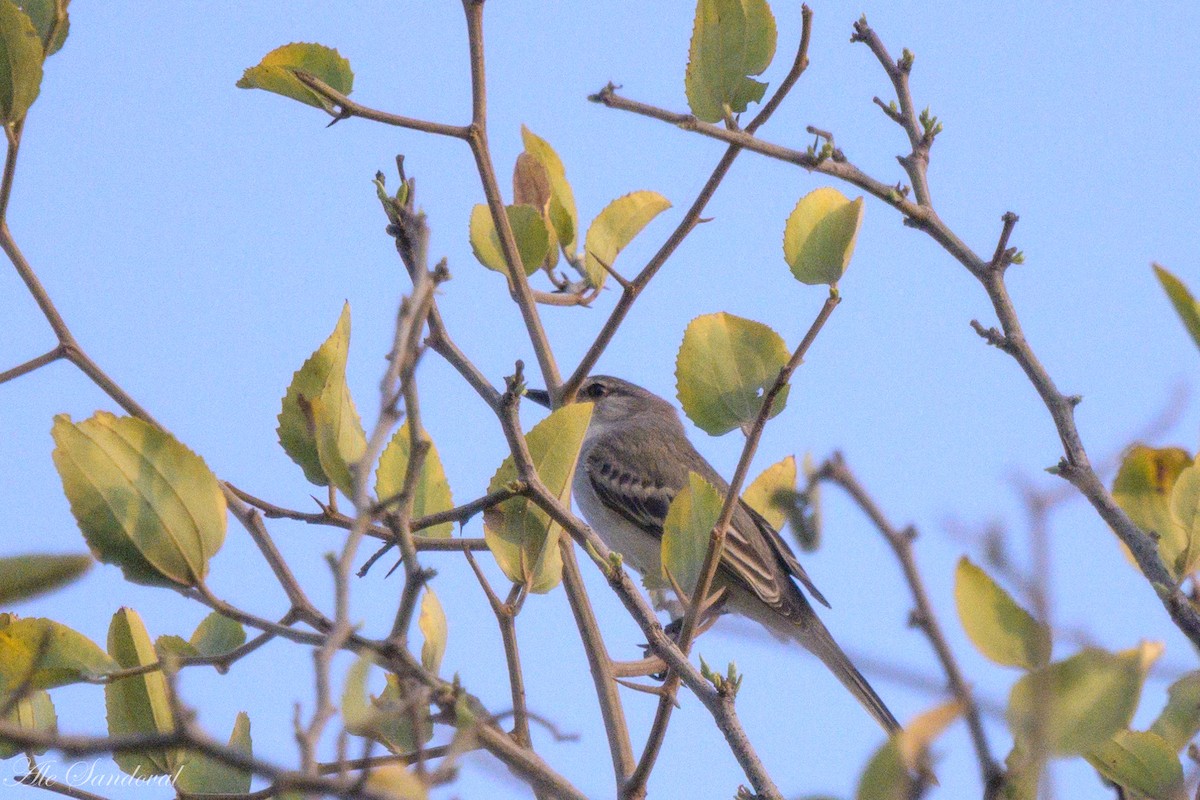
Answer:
(634, 459)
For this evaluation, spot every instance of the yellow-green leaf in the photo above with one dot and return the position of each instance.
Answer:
(33, 712)
(397, 782)
(1180, 719)
(339, 435)
(1185, 304)
(22, 577)
(529, 229)
(724, 367)
(217, 635)
(563, 215)
(431, 494)
(885, 776)
(731, 40)
(531, 187)
(204, 775)
(1143, 489)
(765, 492)
(819, 237)
(138, 704)
(21, 58)
(143, 500)
(43, 14)
(1001, 629)
(66, 657)
(920, 733)
(390, 718)
(321, 378)
(1140, 761)
(687, 531)
(432, 623)
(615, 227)
(519, 534)
(1078, 703)
(1185, 516)
(277, 72)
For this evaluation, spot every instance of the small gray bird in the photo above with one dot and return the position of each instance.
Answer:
(635, 459)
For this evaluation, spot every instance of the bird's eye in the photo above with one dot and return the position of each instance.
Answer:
(595, 391)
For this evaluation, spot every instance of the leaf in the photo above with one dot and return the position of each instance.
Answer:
(997, 626)
(432, 623)
(563, 216)
(431, 494)
(1185, 516)
(519, 534)
(531, 187)
(217, 635)
(389, 718)
(321, 378)
(819, 237)
(1180, 719)
(277, 72)
(138, 704)
(920, 733)
(34, 712)
(1140, 761)
(68, 657)
(1185, 304)
(731, 40)
(42, 14)
(763, 495)
(687, 531)
(1078, 703)
(341, 441)
(143, 500)
(21, 59)
(170, 645)
(22, 577)
(615, 227)
(1143, 489)
(397, 782)
(885, 776)
(204, 775)
(724, 367)
(529, 230)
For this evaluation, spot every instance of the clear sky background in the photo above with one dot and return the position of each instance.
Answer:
(201, 239)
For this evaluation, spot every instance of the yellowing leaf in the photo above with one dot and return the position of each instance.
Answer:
(339, 435)
(33, 712)
(724, 367)
(22, 577)
(819, 237)
(20, 62)
(687, 531)
(1143, 489)
(1185, 304)
(563, 216)
(919, 734)
(432, 623)
(1140, 761)
(1001, 629)
(531, 187)
(1185, 516)
(731, 40)
(204, 775)
(519, 534)
(66, 657)
(1180, 719)
(431, 494)
(397, 782)
(138, 704)
(529, 229)
(762, 493)
(1078, 703)
(321, 380)
(277, 72)
(615, 227)
(144, 501)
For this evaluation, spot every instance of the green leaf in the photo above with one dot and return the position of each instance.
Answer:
(43, 13)
(67, 657)
(1140, 761)
(615, 227)
(687, 531)
(731, 40)
(388, 718)
(1185, 516)
(277, 72)
(531, 187)
(1179, 721)
(1078, 703)
(217, 635)
(724, 367)
(22, 577)
(203, 775)
(33, 712)
(171, 645)
(819, 237)
(1023, 774)
(322, 378)
(764, 494)
(1001, 629)
(1185, 304)
(885, 776)
(21, 59)
(1143, 489)
(143, 500)
(519, 534)
(432, 622)
(529, 229)
(431, 494)
(563, 215)
(138, 704)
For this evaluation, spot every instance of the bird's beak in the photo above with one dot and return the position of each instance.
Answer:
(539, 396)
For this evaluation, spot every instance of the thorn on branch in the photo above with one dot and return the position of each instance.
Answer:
(991, 335)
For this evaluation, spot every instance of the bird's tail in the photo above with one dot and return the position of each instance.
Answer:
(814, 636)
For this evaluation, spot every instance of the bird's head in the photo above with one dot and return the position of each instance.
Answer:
(615, 400)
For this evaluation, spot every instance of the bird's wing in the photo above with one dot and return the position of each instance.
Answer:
(784, 553)
(642, 501)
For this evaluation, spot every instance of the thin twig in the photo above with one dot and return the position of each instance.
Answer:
(345, 108)
(32, 364)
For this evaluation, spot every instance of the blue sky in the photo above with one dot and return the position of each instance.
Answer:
(201, 240)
